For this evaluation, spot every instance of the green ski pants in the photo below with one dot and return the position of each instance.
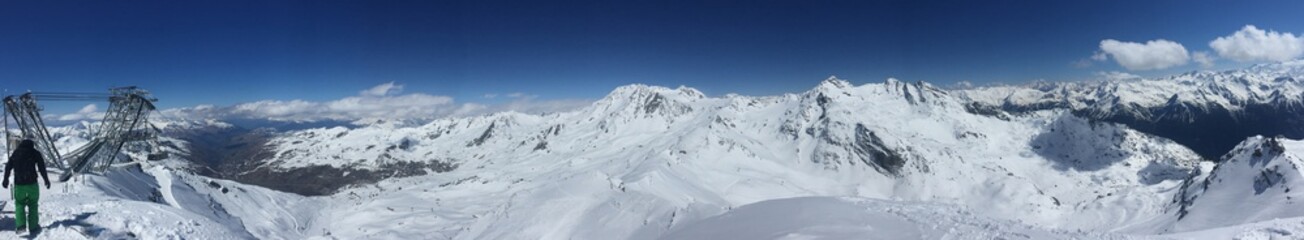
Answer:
(25, 197)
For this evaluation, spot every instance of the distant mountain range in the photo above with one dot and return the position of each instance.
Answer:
(1210, 112)
(1110, 159)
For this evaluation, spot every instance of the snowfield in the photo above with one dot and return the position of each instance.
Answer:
(846, 218)
(646, 160)
(893, 160)
(154, 204)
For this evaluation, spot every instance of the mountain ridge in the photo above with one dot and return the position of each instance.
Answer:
(646, 161)
(1207, 111)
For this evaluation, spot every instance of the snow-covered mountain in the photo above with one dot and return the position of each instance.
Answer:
(649, 162)
(160, 199)
(1207, 111)
(645, 160)
(1253, 183)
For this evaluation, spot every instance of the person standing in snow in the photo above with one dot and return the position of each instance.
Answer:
(26, 161)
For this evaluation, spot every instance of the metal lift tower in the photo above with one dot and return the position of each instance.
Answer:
(125, 121)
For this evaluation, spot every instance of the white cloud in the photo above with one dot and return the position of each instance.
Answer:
(90, 111)
(382, 90)
(509, 95)
(1254, 44)
(379, 102)
(350, 108)
(1115, 75)
(469, 109)
(1154, 54)
(1087, 62)
(1204, 58)
(1099, 56)
(197, 112)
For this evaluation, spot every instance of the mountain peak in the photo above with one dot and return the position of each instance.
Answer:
(830, 86)
(632, 89)
(641, 90)
(891, 81)
(690, 92)
(1251, 183)
(644, 99)
(833, 82)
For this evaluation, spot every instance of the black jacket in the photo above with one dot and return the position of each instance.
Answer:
(25, 162)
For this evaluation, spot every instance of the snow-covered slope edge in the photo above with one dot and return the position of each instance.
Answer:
(1259, 180)
(851, 218)
(159, 203)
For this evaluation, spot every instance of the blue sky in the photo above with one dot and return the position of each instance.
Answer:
(231, 52)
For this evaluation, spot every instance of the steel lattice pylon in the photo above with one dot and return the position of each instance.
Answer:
(27, 116)
(126, 120)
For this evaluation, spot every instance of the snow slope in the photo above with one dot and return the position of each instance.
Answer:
(128, 203)
(1252, 194)
(1287, 228)
(849, 218)
(157, 200)
(646, 160)
(1258, 181)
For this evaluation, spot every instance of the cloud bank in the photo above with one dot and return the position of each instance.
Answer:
(383, 101)
(382, 90)
(89, 112)
(1249, 44)
(1254, 44)
(1151, 55)
(1115, 76)
(356, 107)
(1204, 58)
